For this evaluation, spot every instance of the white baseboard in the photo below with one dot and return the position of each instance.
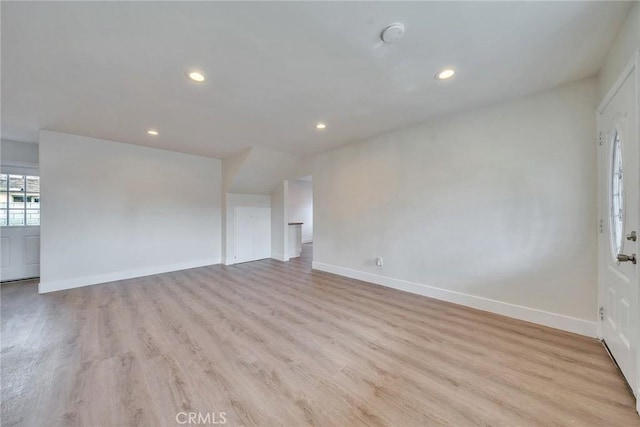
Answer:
(533, 315)
(229, 261)
(78, 282)
(279, 257)
(307, 240)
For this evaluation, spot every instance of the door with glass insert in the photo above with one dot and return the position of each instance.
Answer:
(19, 224)
(618, 181)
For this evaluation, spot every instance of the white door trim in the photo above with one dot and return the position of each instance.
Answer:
(636, 62)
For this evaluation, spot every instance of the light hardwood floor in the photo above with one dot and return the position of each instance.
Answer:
(273, 343)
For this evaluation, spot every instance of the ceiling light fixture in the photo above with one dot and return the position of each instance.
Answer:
(321, 126)
(196, 76)
(445, 74)
(152, 132)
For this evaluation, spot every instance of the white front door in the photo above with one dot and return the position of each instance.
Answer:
(252, 234)
(19, 224)
(20, 247)
(619, 188)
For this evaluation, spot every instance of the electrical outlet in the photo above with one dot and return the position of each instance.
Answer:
(379, 261)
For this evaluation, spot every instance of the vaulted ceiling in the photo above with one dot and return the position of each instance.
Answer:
(113, 70)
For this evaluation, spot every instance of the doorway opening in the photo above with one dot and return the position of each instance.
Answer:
(300, 214)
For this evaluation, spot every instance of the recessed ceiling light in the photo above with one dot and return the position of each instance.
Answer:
(152, 132)
(321, 126)
(196, 76)
(445, 74)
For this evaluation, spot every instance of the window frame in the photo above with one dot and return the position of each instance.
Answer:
(616, 241)
(22, 171)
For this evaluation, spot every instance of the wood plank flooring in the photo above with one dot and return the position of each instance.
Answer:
(271, 343)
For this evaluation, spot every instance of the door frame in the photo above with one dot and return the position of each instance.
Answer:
(633, 64)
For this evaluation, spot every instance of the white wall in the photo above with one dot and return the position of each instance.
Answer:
(112, 211)
(627, 43)
(494, 208)
(301, 206)
(240, 200)
(18, 153)
(279, 222)
(262, 169)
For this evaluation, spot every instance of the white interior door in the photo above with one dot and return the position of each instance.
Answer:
(618, 199)
(19, 224)
(262, 233)
(20, 247)
(243, 235)
(252, 234)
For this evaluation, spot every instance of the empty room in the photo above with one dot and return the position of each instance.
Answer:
(318, 213)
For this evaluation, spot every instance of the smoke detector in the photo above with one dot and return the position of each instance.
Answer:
(393, 33)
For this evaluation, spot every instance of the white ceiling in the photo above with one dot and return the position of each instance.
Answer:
(112, 70)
